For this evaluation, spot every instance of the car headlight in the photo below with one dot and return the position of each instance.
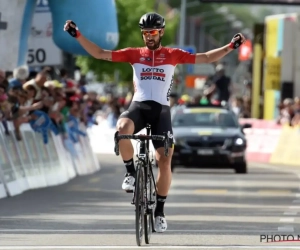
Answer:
(239, 142)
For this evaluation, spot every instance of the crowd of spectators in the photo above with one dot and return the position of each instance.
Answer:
(22, 92)
(289, 109)
(289, 112)
(240, 105)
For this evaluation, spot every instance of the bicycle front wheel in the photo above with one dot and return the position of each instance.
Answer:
(149, 215)
(139, 204)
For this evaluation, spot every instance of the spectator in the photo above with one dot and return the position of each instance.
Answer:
(2, 77)
(296, 119)
(37, 83)
(246, 107)
(286, 112)
(173, 103)
(220, 85)
(4, 108)
(196, 99)
(173, 100)
(128, 100)
(237, 106)
(63, 76)
(184, 100)
(297, 104)
(113, 113)
(20, 76)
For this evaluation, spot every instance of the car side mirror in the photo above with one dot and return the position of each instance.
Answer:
(246, 125)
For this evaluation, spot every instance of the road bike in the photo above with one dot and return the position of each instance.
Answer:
(144, 194)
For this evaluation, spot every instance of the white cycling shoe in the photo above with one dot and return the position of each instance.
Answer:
(128, 183)
(160, 223)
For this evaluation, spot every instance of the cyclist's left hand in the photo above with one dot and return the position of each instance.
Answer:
(237, 41)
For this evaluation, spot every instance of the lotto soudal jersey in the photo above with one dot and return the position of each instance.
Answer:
(153, 70)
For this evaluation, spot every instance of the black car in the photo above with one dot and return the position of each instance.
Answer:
(209, 136)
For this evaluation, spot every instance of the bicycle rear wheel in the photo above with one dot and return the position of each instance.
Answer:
(139, 204)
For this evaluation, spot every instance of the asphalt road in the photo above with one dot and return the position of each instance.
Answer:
(206, 209)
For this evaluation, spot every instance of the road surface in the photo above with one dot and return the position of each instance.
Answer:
(206, 209)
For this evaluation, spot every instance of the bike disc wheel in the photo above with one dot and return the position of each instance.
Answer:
(139, 206)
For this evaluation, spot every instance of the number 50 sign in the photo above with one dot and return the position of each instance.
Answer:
(41, 49)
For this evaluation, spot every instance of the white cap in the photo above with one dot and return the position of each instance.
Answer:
(219, 67)
(21, 72)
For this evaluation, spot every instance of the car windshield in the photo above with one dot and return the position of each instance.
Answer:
(204, 118)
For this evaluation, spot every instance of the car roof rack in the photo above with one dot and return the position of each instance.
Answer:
(223, 105)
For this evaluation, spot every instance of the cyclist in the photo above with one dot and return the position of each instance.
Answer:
(153, 70)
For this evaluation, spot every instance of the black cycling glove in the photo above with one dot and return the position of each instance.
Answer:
(73, 30)
(234, 44)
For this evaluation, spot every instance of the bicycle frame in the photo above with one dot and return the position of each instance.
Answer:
(143, 154)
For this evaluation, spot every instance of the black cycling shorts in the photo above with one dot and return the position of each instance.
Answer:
(153, 113)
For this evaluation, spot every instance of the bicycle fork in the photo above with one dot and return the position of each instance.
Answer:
(148, 197)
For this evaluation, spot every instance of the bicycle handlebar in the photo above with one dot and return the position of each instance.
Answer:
(163, 138)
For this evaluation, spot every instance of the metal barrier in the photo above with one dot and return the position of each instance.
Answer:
(31, 164)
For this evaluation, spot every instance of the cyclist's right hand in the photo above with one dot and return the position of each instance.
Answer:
(72, 28)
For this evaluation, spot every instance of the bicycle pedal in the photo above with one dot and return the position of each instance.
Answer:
(151, 207)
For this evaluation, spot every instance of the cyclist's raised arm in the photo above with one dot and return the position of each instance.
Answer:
(93, 49)
(210, 56)
(217, 54)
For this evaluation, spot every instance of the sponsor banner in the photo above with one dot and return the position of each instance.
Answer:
(262, 139)
(15, 21)
(41, 47)
(287, 150)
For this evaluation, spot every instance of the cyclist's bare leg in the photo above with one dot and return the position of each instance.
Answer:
(164, 179)
(125, 126)
(164, 176)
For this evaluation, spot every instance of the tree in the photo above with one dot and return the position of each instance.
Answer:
(243, 14)
(263, 12)
(129, 13)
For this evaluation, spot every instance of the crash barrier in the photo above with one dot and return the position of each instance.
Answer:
(269, 142)
(31, 163)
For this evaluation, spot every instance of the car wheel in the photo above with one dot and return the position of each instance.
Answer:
(240, 168)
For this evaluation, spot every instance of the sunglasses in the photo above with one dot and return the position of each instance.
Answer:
(150, 32)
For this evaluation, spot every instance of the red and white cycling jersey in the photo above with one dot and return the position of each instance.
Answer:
(153, 70)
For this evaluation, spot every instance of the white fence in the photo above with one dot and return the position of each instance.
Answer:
(31, 164)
